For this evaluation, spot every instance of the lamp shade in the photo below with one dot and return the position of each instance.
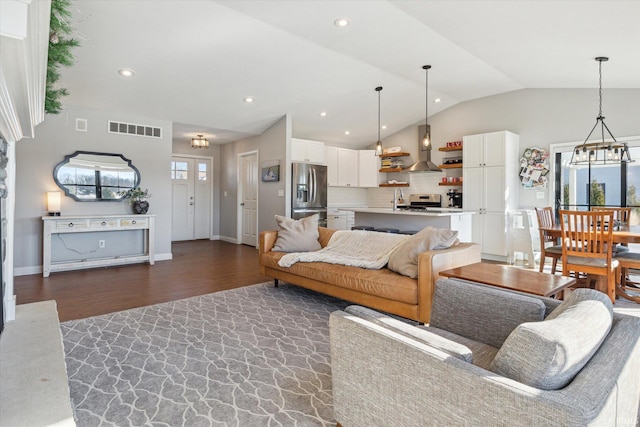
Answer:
(53, 203)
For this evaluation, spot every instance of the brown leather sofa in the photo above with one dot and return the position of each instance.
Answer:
(381, 289)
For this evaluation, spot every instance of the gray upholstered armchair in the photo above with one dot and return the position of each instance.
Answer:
(488, 357)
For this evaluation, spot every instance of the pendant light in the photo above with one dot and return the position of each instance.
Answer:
(426, 138)
(378, 151)
(199, 142)
(601, 152)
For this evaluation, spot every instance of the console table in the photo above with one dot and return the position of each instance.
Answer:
(56, 225)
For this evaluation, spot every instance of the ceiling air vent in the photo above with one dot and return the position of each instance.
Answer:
(133, 129)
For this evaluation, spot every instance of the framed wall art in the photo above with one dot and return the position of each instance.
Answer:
(270, 171)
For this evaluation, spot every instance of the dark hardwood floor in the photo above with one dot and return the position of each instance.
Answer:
(197, 268)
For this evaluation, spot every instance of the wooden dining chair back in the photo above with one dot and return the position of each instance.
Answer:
(619, 214)
(587, 246)
(548, 244)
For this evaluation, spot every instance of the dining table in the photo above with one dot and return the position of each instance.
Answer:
(621, 234)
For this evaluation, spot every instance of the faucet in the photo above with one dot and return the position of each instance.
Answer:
(395, 197)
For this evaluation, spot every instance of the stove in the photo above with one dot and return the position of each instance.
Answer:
(422, 202)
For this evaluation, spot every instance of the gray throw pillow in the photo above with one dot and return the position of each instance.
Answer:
(404, 259)
(548, 354)
(297, 235)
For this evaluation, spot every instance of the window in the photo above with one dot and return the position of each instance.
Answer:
(202, 171)
(179, 170)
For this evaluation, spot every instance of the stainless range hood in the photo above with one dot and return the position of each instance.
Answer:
(424, 164)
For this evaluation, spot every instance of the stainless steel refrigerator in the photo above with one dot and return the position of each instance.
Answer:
(309, 191)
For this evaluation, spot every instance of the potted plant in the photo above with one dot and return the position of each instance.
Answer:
(138, 199)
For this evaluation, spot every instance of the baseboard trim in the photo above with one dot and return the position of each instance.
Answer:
(229, 239)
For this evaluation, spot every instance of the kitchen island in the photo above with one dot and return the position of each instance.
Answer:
(404, 219)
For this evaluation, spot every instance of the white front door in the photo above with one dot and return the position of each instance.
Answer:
(249, 199)
(191, 198)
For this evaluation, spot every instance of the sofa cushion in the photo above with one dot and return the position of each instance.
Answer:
(547, 355)
(433, 340)
(297, 235)
(383, 283)
(404, 259)
(481, 313)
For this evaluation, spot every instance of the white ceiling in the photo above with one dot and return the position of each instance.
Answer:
(195, 61)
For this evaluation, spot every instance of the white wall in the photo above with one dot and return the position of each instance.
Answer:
(57, 137)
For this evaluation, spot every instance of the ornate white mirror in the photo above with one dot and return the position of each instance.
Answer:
(87, 176)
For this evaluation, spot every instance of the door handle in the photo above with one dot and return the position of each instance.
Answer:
(242, 204)
(191, 204)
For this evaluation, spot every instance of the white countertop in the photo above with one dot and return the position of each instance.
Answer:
(429, 212)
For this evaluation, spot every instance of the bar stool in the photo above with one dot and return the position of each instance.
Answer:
(388, 230)
(363, 227)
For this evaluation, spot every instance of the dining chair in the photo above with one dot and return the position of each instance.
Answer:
(546, 220)
(587, 246)
(619, 214)
(627, 260)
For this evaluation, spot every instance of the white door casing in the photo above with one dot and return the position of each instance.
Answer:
(248, 198)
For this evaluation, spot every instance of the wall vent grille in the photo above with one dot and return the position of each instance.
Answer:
(134, 129)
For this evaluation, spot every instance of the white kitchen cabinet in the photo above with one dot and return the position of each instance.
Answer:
(340, 220)
(306, 151)
(347, 167)
(491, 188)
(368, 165)
(332, 166)
(342, 167)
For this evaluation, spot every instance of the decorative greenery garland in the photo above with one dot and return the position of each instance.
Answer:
(59, 53)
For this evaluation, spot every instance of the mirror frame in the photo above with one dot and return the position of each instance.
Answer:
(66, 161)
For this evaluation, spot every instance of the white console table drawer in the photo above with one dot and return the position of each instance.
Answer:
(144, 225)
(138, 222)
(104, 223)
(70, 224)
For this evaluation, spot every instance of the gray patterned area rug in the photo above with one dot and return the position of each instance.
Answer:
(253, 356)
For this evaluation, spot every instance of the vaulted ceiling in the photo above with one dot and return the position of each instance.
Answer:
(195, 61)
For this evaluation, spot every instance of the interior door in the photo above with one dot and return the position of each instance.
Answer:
(191, 198)
(182, 195)
(249, 199)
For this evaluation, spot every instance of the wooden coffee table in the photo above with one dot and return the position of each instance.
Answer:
(512, 278)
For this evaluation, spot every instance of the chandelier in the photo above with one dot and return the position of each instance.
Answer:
(601, 152)
(199, 142)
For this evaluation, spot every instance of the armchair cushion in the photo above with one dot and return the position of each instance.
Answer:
(547, 355)
(489, 314)
(434, 340)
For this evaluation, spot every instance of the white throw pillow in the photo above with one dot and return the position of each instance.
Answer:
(404, 260)
(297, 235)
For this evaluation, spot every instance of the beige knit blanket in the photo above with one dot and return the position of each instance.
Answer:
(356, 248)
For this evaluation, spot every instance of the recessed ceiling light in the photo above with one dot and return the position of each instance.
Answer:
(323, 114)
(437, 100)
(346, 132)
(126, 72)
(249, 99)
(384, 127)
(342, 22)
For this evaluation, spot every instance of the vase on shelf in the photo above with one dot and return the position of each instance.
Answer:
(140, 206)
